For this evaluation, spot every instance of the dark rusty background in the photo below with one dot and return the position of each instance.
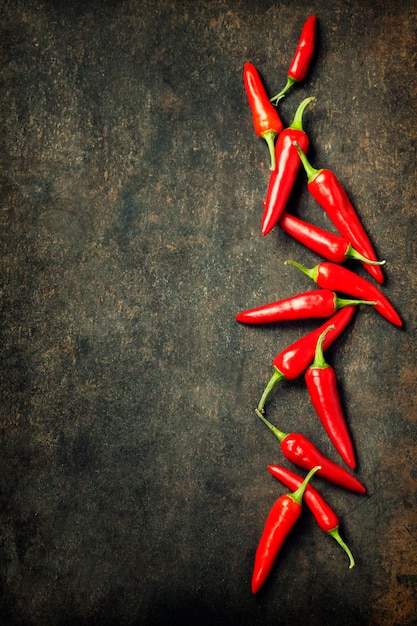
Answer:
(133, 468)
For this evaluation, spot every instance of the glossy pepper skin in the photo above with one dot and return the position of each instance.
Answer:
(310, 304)
(321, 383)
(327, 190)
(332, 247)
(266, 121)
(337, 278)
(291, 362)
(279, 522)
(301, 60)
(303, 453)
(287, 167)
(325, 517)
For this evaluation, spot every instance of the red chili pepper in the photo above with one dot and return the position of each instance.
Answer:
(322, 386)
(327, 190)
(300, 63)
(331, 276)
(280, 521)
(311, 304)
(325, 516)
(266, 120)
(287, 167)
(303, 453)
(291, 362)
(324, 243)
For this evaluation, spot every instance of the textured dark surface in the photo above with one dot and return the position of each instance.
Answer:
(133, 476)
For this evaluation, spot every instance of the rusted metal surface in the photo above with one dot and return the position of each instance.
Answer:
(133, 473)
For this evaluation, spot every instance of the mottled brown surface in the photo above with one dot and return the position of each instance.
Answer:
(133, 476)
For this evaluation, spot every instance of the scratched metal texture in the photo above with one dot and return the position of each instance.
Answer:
(133, 480)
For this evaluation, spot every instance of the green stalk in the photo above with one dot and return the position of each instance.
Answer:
(278, 433)
(269, 136)
(276, 377)
(354, 254)
(297, 123)
(297, 495)
(341, 302)
(310, 272)
(290, 82)
(309, 169)
(335, 534)
(319, 360)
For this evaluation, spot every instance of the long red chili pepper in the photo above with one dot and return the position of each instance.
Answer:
(322, 387)
(279, 522)
(287, 167)
(323, 242)
(325, 187)
(311, 304)
(337, 278)
(300, 63)
(303, 453)
(266, 120)
(291, 362)
(325, 517)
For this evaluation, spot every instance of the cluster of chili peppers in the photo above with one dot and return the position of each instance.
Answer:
(288, 148)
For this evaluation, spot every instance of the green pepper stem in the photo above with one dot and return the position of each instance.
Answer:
(310, 171)
(310, 272)
(269, 136)
(319, 360)
(341, 302)
(278, 433)
(354, 254)
(297, 495)
(297, 123)
(290, 82)
(276, 376)
(335, 534)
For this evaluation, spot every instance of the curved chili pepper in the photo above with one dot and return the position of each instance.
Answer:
(279, 522)
(331, 276)
(322, 387)
(300, 63)
(311, 304)
(287, 167)
(324, 243)
(303, 453)
(266, 120)
(325, 517)
(291, 362)
(327, 190)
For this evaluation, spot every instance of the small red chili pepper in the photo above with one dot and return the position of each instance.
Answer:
(291, 362)
(266, 120)
(287, 167)
(324, 243)
(325, 517)
(300, 63)
(332, 276)
(327, 190)
(322, 386)
(303, 453)
(311, 304)
(279, 522)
